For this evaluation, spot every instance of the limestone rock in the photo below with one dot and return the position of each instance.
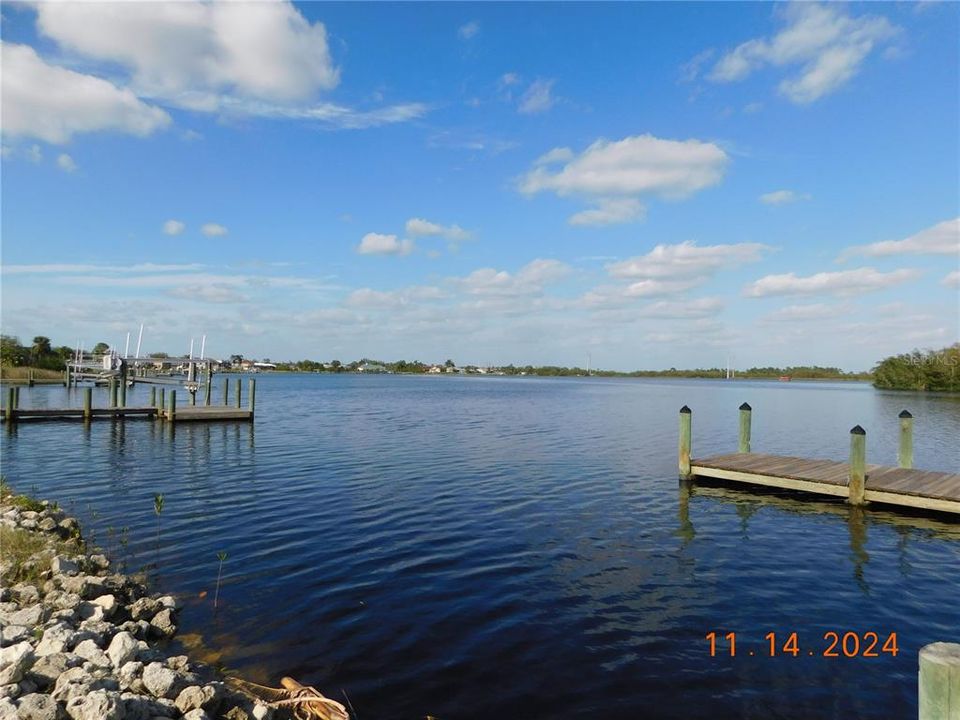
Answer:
(97, 705)
(56, 639)
(37, 706)
(62, 565)
(161, 681)
(123, 648)
(12, 634)
(15, 661)
(108, 603)
(89, 651)
(47, 669)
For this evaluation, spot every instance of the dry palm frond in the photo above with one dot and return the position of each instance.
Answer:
(305, 702)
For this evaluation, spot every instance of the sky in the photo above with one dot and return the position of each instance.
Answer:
(634, 185)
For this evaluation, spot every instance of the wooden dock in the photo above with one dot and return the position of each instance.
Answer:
(855, 480)
(162, 407)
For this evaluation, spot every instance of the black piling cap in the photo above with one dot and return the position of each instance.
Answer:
(905, 414)
(857, 430)
(746, 406)
(685, 410)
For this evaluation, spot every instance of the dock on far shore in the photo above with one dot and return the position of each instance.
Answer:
(855, 481)
(162, 406)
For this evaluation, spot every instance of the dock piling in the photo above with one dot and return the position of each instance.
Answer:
(939, 684)
(88, 404)
(226, 391)
(153, 397)
(252, 392)
(905, 455)
(113, 392)
(686, 417)
(172, 412)
(238, 392)
(11, 404)
(16, 398)
(209, 389)
(858, 465)
(745, 414)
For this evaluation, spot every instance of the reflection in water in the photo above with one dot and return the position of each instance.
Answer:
(857, 525)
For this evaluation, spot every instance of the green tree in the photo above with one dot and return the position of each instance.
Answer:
(12, 352)
(449, 363)
(41, 346)
(100, 348)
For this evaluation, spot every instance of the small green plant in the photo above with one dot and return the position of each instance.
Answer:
(158, 509)
(221, 556)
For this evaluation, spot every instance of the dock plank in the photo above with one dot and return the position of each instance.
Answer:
(899, 486)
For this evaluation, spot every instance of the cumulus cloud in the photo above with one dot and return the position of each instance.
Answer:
(633, 166)
(679, 310)
(173, 227)
(537, 98)
(418, 227)
(468, 30)
(190, 53)
(803, 313)
(34, 154)
(216, 293)
(828, 45)
(53, 104)
(529, 280)
(941, 239)
(686, 260)
(371, 299)
(66, 163)
(952, 279)
(782, 197)
(847, 282)
(610, 211)
(213, 230)
(380, 244)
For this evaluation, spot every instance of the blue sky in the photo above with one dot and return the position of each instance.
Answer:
(656, 184)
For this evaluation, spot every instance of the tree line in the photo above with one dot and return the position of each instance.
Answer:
(934, 370)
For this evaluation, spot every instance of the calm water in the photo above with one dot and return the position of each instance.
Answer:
(519, 548)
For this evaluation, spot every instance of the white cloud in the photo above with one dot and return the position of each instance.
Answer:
(173, 227)
(369, 298)
(952, 279)
(828, 45)
(782, 197)
(610, 211)
(380, 244)
(847, 282)
(190, 53)
(468, 30)
(213, 230)
(803, 313)
(618, 295)
(34, 154)
(215, 293)
(508, 79)
(529, 280)
(690, 70)
(337, 116)
(686, 260)
(418, 227)
(669, 310)
(66, 163)
(53, 104)
(634, 166)
(941, 239)
(63, 268)
(537, 98)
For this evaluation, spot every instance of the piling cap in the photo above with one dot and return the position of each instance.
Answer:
(746, 406)
(905, 414)
(857, 430)
(685, 410)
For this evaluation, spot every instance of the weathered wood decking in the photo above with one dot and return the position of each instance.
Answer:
(894, 486)
(187, 413)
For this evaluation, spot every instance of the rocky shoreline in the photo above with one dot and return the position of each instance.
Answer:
(81, 642)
